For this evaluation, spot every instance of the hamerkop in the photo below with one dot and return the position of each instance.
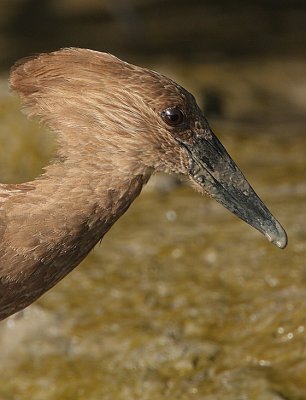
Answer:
(116, 124)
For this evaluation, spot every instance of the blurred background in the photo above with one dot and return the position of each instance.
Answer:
(182, 300)
(175, 29)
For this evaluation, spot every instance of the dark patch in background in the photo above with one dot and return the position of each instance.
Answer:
(181, 30)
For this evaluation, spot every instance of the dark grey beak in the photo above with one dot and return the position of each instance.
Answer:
(212, 168)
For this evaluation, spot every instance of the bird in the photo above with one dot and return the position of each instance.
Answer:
(116, 125)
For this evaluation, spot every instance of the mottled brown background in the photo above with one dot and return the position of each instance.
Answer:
(182, 300)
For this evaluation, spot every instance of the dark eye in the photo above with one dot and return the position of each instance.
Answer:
(173, 116)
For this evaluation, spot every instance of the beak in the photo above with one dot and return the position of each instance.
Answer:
(215, 172)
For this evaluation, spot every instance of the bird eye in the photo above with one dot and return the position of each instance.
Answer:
(173, 116)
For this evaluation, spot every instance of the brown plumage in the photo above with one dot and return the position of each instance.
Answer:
(116, 125)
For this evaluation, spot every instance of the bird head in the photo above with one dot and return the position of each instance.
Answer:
(134, 119)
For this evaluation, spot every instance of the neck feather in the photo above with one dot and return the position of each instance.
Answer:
(49, 225)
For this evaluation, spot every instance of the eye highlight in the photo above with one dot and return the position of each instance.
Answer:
(173, 116)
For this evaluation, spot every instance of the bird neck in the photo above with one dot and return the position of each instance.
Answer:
(52, 223)
(73, 209)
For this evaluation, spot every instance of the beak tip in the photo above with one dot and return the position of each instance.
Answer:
(279, 237)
